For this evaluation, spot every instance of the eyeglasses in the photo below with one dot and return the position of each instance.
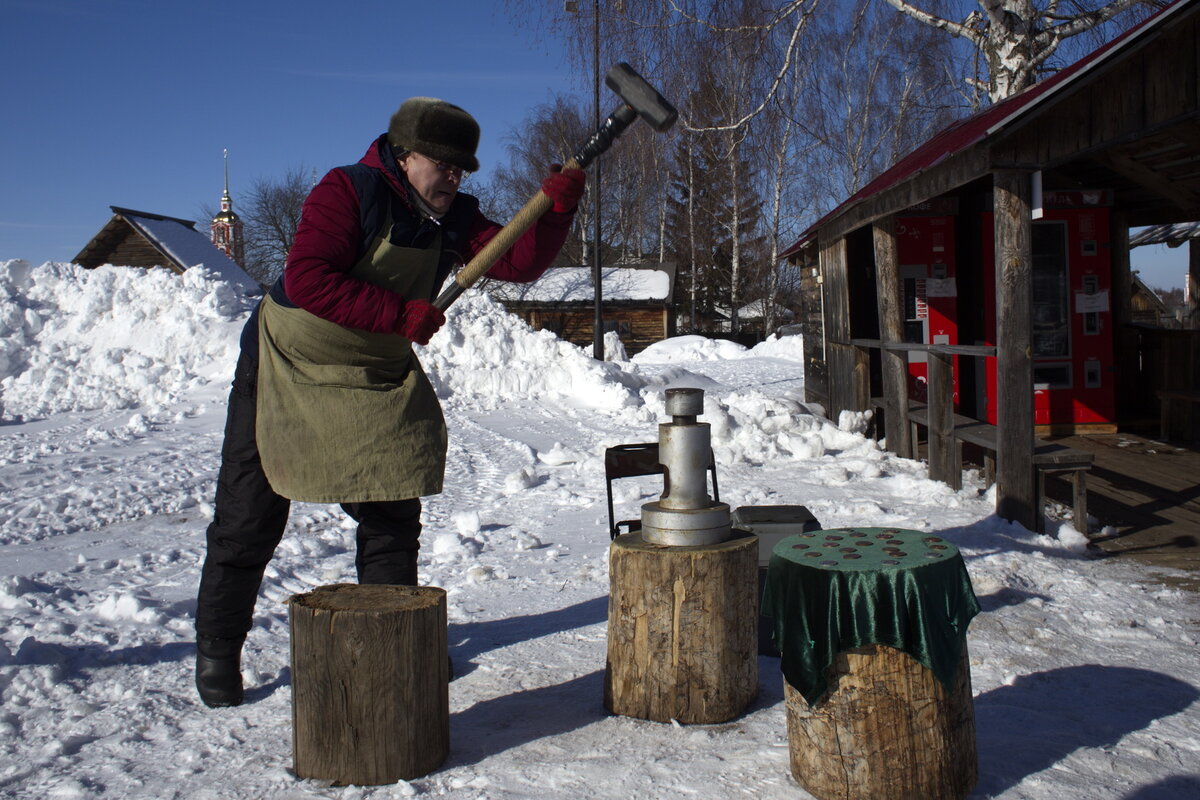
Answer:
(442, 166)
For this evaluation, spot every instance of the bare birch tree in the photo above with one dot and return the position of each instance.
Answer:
(1017, 37)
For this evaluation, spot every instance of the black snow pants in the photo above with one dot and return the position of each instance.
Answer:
(250, 518)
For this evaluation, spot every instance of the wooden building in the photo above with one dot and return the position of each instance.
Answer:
(1147, 308)
(1178, 235)
(636, 303)
(986, 274)
(141, 239)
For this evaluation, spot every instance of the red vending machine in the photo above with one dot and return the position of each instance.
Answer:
(1072, 336)
(926, 251)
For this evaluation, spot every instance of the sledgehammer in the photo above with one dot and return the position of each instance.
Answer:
(641, 100)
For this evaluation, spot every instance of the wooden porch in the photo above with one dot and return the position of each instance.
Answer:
(1148, 492)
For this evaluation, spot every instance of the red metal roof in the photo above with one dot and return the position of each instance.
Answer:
(971, 130)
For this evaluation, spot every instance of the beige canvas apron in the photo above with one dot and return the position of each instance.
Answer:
(345, 415)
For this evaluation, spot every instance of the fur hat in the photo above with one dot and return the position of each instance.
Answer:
(437, 129)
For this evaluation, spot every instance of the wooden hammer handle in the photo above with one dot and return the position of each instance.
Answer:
(507, 236)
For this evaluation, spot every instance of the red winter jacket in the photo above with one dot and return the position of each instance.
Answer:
(334, 231)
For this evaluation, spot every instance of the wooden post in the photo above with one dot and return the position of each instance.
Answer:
(1191, 311)
(942, 463)
(835, 267)
(1015, 486)
(370, 703)
(682, 629)
(891, 331)
(1124, 335)
(886, 727)
(861, 379)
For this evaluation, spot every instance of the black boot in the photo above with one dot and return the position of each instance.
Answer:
(219, 671)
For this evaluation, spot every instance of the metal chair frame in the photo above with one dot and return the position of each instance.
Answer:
(636, 460)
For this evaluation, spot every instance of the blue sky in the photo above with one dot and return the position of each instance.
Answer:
(131, 102)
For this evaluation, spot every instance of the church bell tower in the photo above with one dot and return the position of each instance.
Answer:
(227, 226)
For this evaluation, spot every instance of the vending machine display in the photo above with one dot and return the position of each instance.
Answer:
(1071, 311)
(926, 251)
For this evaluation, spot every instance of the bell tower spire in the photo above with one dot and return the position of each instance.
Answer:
(227, 226)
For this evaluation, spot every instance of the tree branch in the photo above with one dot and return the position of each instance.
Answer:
(1087, 20)
(956, 28)
(779, 75)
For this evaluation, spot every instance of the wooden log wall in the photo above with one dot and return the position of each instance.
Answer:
(646, 325)
(1015, 487)
(133, 250)
(840, 354)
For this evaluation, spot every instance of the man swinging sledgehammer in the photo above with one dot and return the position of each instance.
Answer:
(329, 401)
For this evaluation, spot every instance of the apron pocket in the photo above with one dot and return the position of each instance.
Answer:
(342, 376)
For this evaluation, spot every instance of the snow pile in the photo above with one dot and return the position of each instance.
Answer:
(689, 348)
(74, 339)
(788, 347)
(486, 353)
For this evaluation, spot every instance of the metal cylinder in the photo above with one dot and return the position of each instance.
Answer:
(685, 402)
(685, 452)
(685, 527)
(685, 514)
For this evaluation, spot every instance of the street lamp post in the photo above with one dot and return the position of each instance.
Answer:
(572, 6)
(598, 321)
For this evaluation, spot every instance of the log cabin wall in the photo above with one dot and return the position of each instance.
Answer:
(638, 326)
(135, 251)
(838, 350)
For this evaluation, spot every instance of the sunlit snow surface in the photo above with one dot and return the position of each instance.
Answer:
(113, 386)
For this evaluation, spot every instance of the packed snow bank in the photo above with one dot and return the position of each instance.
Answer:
(689, 348)
(485, 352)
(74, 339)
(115, 338)
(680, 349)
(486, 357)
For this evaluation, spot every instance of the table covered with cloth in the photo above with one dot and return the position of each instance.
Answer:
(834, 590)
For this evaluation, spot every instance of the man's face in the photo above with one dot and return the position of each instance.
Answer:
(435, 181)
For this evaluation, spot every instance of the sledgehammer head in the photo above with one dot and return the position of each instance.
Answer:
(641, 96)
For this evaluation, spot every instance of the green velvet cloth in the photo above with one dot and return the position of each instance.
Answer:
(835, 590)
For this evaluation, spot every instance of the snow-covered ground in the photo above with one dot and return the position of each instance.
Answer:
(113, 384)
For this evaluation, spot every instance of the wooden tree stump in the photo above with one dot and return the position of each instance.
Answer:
(886, 728)
(370, 698)
(682, 632)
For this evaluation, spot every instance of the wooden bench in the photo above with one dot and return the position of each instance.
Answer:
(1048, 458)
(1179, 404)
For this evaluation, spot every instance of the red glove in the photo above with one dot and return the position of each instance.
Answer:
(419, 321)
(564, 187)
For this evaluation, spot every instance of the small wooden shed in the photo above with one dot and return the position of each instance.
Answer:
(1147, 308)
(142, 239)
(636, 303)
(1108, 143)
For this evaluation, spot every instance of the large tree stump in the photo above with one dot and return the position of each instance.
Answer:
(682, 629)
(370, 698)
(886, 728)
